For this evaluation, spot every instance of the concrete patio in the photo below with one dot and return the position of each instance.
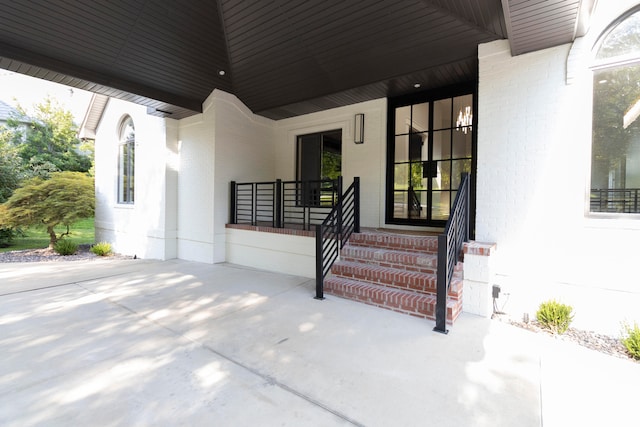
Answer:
(139, 343)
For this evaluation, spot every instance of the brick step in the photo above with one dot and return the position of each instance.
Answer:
(424, 283)
(410, 261)
(399, 300)
(401, 242)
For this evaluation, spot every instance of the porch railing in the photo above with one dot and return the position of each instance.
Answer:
(282, 204)
(335, 230)
(615, 200)
(450, 243)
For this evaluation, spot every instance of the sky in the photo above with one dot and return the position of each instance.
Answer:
(29, 91)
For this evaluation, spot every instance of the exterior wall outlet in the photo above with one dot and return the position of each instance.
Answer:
(496, 291)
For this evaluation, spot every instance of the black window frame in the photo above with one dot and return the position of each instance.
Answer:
(126, 152)
(431, 96)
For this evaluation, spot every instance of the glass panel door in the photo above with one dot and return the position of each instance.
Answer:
(430, 148)
(410, 153)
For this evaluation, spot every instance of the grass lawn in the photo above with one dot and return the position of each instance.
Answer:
(82, 232)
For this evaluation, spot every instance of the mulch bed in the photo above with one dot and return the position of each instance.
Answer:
(49, 255)
(592, 340)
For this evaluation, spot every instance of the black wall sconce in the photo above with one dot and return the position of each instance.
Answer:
(358, 130)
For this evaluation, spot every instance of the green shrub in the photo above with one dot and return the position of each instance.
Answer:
(65, 247)
(632, 340)
(555, 316)
(6, 237)
(101, 249)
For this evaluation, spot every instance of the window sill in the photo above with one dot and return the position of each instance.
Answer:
(612, 221)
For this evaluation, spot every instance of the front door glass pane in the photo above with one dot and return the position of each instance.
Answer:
(403, 120)
(402, 149)
(432, 146)
(440, 205)
(400, 205)
(442, 181)
(420, 118)
(462, 144)
(442, 144)
(442, 114)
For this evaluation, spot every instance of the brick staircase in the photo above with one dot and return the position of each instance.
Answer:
(393, 271)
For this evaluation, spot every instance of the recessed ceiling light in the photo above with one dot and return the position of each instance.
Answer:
(417, 85)
(222, 72)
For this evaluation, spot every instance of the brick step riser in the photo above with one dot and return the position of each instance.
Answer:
(419, 266)
(421, 306)
(410, 281)
(398, 243)
(392, 263)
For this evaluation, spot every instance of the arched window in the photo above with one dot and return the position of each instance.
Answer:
(615, 158)
(126, 161)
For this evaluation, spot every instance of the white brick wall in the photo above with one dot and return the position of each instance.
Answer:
(534, 139)
(364, 160)
(144, 228)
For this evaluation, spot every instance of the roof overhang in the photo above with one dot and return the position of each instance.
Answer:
(281, 58)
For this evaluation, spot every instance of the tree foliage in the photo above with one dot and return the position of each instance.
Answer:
(49, 141)
(63, 199)
(10, 166)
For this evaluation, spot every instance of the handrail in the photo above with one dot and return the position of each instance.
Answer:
(335, 230)
(415, 201)
(282, 204)
(450, 243)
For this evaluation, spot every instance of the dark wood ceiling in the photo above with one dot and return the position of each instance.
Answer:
(282, 58)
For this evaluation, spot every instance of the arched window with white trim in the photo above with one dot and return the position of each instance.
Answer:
(615, 155)
(126, 161)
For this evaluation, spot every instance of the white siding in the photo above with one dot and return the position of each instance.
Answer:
(244, 152)
(141, 228)
(282, 253)
(364, 160)
(534, 142)
(195, 192)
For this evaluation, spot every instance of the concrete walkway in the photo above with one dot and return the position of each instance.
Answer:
(145, 343)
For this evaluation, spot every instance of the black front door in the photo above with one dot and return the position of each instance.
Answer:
(430, 145)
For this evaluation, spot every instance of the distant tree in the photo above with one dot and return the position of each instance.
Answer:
(10, 166)
(7, 234)
(63, 199)
(49, 141)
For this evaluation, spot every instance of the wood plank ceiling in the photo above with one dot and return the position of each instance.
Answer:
(282, 58)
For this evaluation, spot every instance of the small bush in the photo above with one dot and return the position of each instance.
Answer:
(65, 247)
(6, 237)
(555, 316)
(101, 249)
(631, 340)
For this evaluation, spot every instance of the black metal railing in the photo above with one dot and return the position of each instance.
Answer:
(450, 243)
(335, 230)
(282, 204)
(414, 200)
(615, 200)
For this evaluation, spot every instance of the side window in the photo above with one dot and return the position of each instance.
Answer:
(126, 161)
(615, 158)
(319, 161)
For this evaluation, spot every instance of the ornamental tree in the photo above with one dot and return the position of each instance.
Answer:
(63, 199)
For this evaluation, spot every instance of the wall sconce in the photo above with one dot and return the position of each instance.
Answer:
(358, 130)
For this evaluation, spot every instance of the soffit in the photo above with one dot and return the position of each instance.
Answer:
(282, 58)
(535, 25)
